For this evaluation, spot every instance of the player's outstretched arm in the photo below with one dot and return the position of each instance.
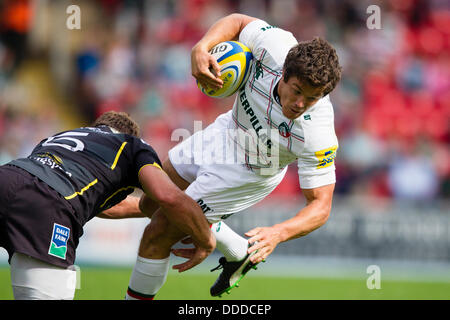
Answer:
(180, 209)
(203, 65)
(128, 208)
(313, 216)
(131, 207)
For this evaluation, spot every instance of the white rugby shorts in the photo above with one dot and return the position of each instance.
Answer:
(33, 279)
(219, 183)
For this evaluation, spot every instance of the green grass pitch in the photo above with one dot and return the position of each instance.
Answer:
(111, 284)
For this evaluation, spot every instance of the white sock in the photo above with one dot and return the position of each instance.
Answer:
(233, 246)
(147, 278)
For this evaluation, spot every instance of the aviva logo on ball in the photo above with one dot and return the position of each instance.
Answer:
(235, 61)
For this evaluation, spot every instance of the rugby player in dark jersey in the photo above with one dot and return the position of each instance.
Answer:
(71, 177)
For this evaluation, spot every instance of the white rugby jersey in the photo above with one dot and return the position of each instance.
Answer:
(310, 139)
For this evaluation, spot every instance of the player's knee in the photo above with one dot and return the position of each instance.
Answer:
(157, 239)
(154, 242)
(153, 235)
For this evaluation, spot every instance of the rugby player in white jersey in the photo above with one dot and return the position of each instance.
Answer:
(286, 93)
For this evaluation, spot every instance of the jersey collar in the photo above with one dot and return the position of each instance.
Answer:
(108, 127)
(114, 130)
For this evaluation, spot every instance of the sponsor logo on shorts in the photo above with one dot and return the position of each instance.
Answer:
(58, 243)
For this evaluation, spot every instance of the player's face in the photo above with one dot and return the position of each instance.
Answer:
(296, 97)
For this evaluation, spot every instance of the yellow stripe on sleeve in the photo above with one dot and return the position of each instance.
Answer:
(121, 189)
(150, 164)
(118, 155)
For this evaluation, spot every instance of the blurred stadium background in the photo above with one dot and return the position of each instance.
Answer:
(392, 111)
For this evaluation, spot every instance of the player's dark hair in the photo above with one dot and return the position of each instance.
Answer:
(314, 61)
(120, 121)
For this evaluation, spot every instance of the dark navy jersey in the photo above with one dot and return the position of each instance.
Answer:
(93, 168)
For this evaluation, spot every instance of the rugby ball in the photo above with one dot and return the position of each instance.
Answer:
(235, 61)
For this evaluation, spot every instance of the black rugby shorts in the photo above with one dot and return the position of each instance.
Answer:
(35, 219)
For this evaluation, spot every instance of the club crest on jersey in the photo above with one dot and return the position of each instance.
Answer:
(284, 130)
(58, 243)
